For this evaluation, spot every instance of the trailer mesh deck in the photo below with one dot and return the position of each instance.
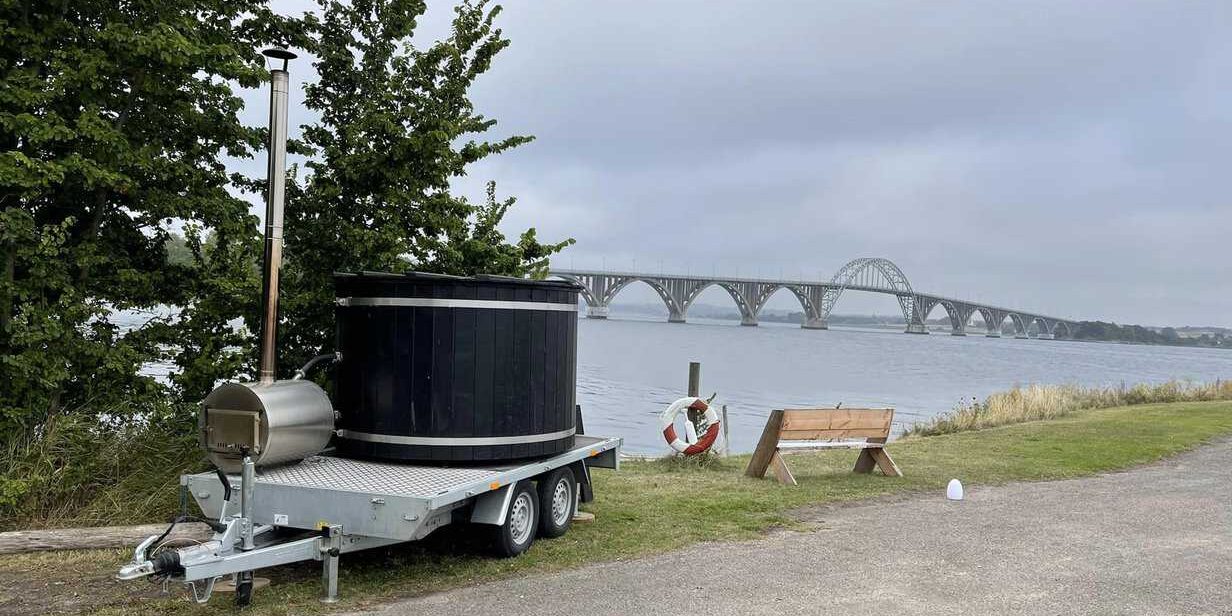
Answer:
(333, 473)
(368, 477)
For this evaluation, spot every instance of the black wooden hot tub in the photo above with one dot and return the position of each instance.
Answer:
(450, 369)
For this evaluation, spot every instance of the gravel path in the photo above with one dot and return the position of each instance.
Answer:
(1154, 540)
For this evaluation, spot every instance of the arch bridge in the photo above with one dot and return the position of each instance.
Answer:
(870, 274)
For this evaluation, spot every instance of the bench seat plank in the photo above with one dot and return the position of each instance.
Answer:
(829, 445)
(832, 434)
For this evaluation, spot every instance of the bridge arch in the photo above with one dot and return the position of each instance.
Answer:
(593, 290)
(1021, 324)
(992, 324)
(746, 307)
(808, 300)
(870, 274)
(675, 312)
(599, 291)
(1043, 327)
(588, 295)
(958, 321)
(811, 310)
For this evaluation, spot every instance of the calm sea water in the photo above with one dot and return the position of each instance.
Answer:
(629, 370)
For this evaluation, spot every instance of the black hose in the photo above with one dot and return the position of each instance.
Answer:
(217, 527)
(160, 538)
(226, 484)
(303, 372)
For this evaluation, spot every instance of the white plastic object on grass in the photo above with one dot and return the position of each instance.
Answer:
(954, 491)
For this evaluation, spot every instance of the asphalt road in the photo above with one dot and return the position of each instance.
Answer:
(1154, 540)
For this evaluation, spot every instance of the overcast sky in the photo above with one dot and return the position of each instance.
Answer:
(1064, 157)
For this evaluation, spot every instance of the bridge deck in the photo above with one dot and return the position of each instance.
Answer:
(816, 297)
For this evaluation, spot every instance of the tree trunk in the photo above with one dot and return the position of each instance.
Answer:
(94, 538)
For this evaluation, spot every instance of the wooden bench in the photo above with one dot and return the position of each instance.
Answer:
(812, 429)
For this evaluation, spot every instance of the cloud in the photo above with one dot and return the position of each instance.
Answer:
(1070, 157)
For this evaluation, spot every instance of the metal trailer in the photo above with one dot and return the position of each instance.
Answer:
(343, 505)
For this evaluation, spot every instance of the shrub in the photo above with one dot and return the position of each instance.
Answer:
(77, 471)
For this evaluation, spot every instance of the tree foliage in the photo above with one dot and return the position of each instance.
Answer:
(117, 121)
(114, 119)
(1137, 334)
(396, 126)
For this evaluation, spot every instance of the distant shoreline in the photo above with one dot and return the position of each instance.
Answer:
(934, 326)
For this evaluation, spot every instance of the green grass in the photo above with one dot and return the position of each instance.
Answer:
(655, 506)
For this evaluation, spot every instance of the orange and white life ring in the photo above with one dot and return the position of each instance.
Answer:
(668, 421)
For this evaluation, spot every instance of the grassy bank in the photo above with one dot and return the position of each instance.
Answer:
(78, 473)
(1038, 402)
(75, 472)
(650, 507)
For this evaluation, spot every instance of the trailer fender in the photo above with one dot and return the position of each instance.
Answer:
(490, 508)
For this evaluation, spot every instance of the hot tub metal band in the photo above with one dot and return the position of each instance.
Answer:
(454, 441)
(431, 302)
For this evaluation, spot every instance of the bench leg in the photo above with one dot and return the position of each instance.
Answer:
(781, 472)
(866, 461)
(885, 462)
(766, 446)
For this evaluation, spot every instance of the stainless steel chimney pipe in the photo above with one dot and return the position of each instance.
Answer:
(275, 194)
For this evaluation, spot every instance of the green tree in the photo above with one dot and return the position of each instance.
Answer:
(396, 127)
(115, 116)
(115, 121)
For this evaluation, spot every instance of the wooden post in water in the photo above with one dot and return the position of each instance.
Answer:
(695, 386)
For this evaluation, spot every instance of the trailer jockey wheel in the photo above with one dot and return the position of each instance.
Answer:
(243, 589)
(557, 491)
(521, 522)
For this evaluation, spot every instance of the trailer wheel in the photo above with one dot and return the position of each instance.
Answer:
(521, 521)
(557, 491)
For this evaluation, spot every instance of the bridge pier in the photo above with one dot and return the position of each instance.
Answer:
(1042, 336)
(675, 318)
(748, 321)
(814, 323)
(596, 312)
(992, 335)
(958, 333)
(916, 328)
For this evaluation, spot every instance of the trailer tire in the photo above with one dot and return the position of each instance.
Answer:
(521, 521)
(557, 491)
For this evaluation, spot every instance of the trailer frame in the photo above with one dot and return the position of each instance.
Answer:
(343, 505)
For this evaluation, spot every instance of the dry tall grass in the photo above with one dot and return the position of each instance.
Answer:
(1048, 401)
